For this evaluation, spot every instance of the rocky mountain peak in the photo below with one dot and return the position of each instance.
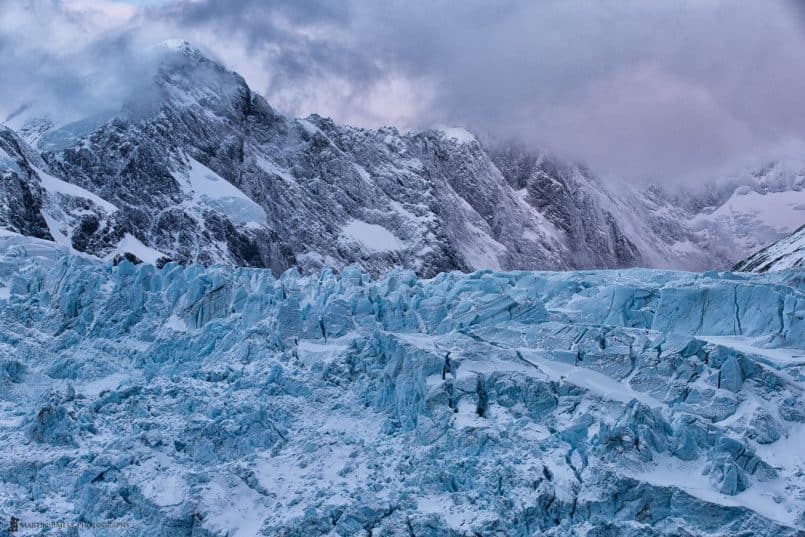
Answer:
(200, 169)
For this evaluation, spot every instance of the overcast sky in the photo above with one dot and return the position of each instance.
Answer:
(643, 89)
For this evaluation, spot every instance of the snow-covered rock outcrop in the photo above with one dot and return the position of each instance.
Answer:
(212, 401)
(787, 253)
(197, 168)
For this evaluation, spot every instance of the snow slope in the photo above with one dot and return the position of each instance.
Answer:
(208, 189)
(217, 401)
(785, 254)
(372, 236)
(774, 209)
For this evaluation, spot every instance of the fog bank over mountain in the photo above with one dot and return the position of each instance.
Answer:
(637, 90)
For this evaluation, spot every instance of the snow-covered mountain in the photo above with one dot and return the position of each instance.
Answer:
(745, 210)
(787, 253)
(223, 401)
(198, 168)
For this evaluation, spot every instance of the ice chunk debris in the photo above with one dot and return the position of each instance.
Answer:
(212, 401)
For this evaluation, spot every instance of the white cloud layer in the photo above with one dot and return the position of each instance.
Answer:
(637, 88)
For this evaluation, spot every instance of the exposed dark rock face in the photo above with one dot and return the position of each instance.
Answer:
(200, 169)
(20, 194)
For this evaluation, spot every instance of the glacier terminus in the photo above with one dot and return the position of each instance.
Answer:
(190, 400)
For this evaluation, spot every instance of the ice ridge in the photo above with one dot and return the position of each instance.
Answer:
(209, 401)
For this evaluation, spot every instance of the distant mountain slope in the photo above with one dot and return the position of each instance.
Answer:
(787, 253)
(741, 212)
(200, 169)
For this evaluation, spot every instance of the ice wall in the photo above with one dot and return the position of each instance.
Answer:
(193, 401)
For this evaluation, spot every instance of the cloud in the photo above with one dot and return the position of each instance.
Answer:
(644, 89)
(637, 88)
(69, 59)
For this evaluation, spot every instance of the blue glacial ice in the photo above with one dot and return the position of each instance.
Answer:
(217, 401)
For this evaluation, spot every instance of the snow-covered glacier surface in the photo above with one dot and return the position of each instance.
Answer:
(220, 401)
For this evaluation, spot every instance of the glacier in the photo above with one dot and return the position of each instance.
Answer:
(190, 400)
